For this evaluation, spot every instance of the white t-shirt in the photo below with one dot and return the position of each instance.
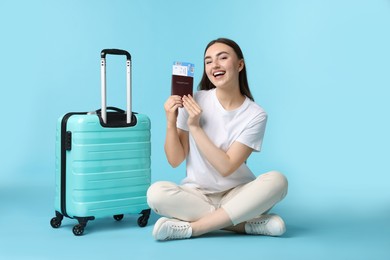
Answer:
(245, 124)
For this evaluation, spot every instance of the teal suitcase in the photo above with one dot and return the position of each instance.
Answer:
(103, 161)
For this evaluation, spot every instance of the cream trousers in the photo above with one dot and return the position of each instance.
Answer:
(241, 203)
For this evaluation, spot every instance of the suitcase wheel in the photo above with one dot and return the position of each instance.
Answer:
(143, 220)
(57, 220)
(118, 217)
(78, 229)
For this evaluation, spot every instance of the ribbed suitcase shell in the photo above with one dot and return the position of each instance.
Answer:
(107, 168)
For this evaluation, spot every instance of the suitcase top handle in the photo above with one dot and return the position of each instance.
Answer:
(103, 54)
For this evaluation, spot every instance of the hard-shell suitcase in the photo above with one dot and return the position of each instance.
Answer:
(103, 161)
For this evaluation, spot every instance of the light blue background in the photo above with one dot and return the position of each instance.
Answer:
(321, 69)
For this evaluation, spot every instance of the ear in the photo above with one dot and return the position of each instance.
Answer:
(241, 65)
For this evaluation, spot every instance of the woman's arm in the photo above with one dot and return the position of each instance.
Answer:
(176, 140)
(176, 145)
(224, 162)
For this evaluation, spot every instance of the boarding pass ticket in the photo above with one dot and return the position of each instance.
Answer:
(183, 69)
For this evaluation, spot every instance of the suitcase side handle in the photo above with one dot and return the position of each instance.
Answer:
(103, 54)
(118, 110)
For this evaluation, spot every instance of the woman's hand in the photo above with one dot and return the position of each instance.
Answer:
(194, 111)
(171, 108)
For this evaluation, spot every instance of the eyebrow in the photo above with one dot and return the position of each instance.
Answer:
(218, 54)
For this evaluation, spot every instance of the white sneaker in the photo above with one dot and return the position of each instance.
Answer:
(167, 229)
(269, 225)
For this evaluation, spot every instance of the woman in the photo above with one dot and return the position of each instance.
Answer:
(215, 132)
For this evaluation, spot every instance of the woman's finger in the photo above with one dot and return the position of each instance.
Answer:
(172, 103)
(192, 107)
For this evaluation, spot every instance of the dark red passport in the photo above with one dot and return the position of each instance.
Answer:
(182, 85)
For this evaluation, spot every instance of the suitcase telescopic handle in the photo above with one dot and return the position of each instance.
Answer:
(103, 54)
(115, 52)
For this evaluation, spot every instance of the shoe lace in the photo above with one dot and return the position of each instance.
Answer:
(260, 227)
(178, 230)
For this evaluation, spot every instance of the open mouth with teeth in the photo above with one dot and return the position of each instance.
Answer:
(218, 74)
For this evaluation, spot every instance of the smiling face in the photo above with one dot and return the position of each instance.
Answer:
(222, 66)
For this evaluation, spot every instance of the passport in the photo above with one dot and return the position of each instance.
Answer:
(182, 78)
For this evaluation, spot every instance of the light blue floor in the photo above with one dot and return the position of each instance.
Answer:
(25, 233)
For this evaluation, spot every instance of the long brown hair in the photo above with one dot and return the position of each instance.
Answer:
(205, 83)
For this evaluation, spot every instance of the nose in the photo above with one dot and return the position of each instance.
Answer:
(215, 64)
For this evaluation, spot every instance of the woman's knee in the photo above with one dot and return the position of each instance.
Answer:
(157, 192)
(280, 181)
(276, 181)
